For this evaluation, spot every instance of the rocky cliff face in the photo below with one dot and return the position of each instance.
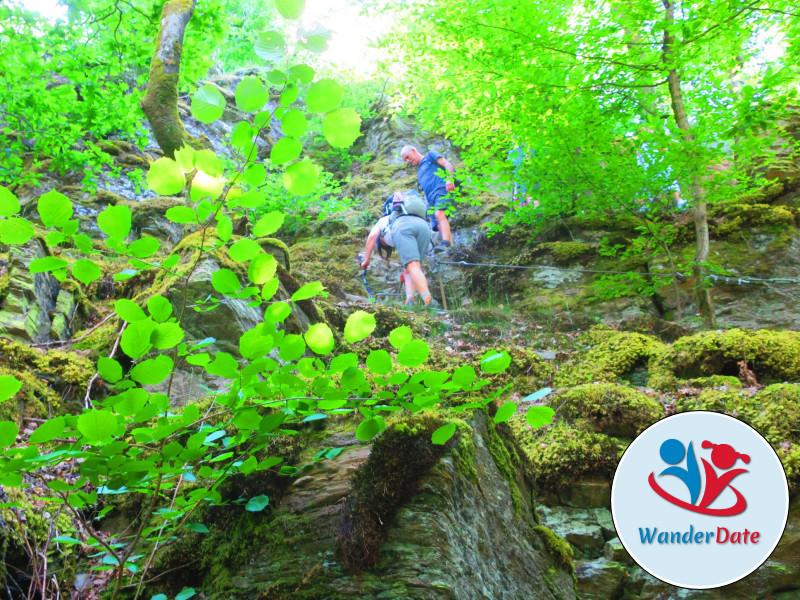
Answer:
(466, 524)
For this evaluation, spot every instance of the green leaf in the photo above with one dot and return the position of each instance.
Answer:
(463, 376)
(257, 503)
(166, 335)
(115, 221)
(289, 95)
(224, 227)
(209, 163)
(505, 412)
(46, 264)
(242, 135)
(269, 289)
(255, 174)
(539, 416)
(292, 347)
(135, 340)
(443, 434)
(302, 74)
(262, 268)
(9, 205)
(270, 46)
(319, 338)
(268, 224)
(400, 336)
(253, 344)
(109, 369)
(285, 150)
(8, 433)
(198, 527)
(309, 290)
(251, 95)
(185, 594)
(152, 371)
(86, 271)
(206, 186)
(208, 104)
(9, 386)
(50, 429)
(184, 156)
(379, 362)
(144, 247)
(244, 249)
(324, 95)
(181, 214)
(495, 362)
(16, 231)
(277, 312)
(414, 353)
(290, 9)
(128, 310)
(97, 426)
(294, 123)
(225, 282)
(223, 365)
(159, 308)
(359, 325)
(55, 209)
(341, 127)
(159, 597)
(368, 429)
(301, 178)
(165, 177)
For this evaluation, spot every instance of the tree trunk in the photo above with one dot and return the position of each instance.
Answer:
(702, 294)
(160, 104)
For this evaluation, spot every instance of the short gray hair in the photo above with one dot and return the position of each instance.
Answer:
(407, 149)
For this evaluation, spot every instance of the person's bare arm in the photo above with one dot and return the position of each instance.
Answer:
(446, 164)
(372, 240)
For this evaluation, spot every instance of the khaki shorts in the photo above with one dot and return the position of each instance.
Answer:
(411, 237)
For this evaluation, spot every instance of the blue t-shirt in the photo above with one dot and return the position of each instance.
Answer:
(429, 177)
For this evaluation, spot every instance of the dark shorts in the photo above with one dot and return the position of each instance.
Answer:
(439, 200)
(411, 237)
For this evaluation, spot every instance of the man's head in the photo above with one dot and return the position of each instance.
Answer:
(410, 155)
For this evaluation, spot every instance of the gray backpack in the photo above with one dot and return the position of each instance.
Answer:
(413, 204)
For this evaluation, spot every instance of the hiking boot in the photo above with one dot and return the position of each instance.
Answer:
(432, 303)
(445, 246)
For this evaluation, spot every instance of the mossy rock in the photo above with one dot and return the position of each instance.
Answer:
(48, 378)
(397, 461)
(561, 454)
(566, 252)
(611, 356)
(728, 219)
(608, 408)
(774, 356)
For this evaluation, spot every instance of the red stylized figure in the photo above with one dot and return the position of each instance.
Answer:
(724, 457)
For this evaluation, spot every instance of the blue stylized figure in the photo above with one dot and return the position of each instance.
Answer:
(672, 452)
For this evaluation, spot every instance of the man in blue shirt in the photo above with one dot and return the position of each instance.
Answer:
(430, 171)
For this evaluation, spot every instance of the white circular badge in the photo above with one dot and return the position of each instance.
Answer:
(699, 500)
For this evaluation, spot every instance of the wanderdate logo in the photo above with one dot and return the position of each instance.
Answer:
(700, 500)
(723, 457)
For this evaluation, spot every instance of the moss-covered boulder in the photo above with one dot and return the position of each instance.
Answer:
(774, 356)
(562, 454)
(614, 410)
(612, 355)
